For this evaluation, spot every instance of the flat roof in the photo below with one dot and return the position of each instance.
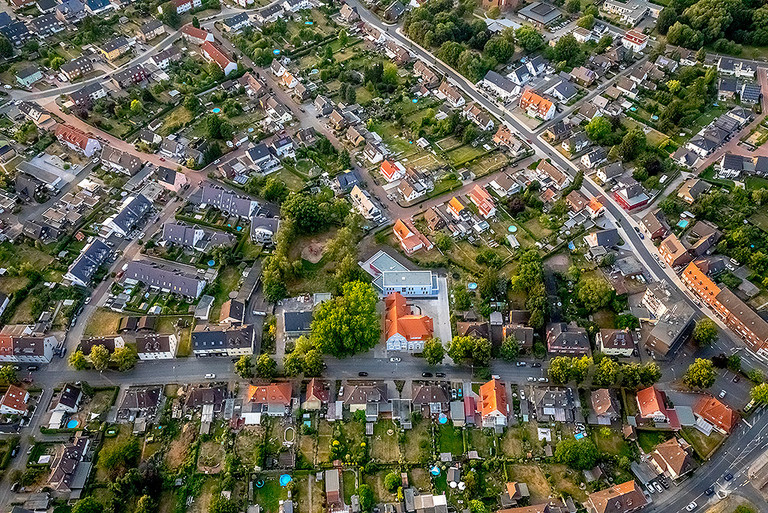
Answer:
(412, 278)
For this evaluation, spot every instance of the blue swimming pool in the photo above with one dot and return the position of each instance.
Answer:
(72, 423)
(683, 223)
(285, 479)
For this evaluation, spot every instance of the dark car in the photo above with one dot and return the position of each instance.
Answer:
(736, 378)
(32, 367)
(362, 374)
(535, 364)
(426, 374)
(710, 490)
(439, 374)
(728, 476)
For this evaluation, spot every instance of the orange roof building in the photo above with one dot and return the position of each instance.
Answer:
(411, 239)
(623, 498)
(482, 201)
(457, 209)
(650, 401)
(405, 331)
(275, 398)
(716, 414)
(77, 140)
(493, 404)
(195, 35)
(536, 106)
(392, 170)
(701, 285)
(595, 208)
(14, 401)
(214, 53)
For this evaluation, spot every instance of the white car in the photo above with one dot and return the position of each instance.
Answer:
(395, 359)
(722, 394)
(210, 376)
(531, 378)
(691, 506)
(658, 487)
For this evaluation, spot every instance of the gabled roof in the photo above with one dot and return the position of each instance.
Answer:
(618, 499)
(216, 53)
(717, 413)
(651, 400)
(274, 393)
(493, 398)
(15, 399)
(400, 320)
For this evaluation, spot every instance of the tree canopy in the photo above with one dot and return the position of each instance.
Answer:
(700, 374)
(349, 323)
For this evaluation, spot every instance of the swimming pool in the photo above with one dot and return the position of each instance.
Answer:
(683, 223)
(285, 479)
(72, 423)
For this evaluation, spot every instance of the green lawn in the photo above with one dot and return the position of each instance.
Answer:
(648, 440)
(449, 439)
(465, 153)
(612, 442)
(703, 445)
(227, 281)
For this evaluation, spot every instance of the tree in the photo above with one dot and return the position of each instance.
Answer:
(594, 293)
(119, 458)
(192, 103)
(145, 504)
(125, 358)
(56, 63)
(313, 362)
(649, 374)
(349, 323)
(631, 145)
(477, 506)
(244, 366)
(705, 332)
(351, 95)
(293, 364)
(217, 128)
(392, 481)
(560, 369)
(700, 374)
(8, 375)
(136, 107)
(343, 37)
(87, 505)
(6, 48)
(529, 38)
(667, 18)
(510, 349)
(99, 357)
(169, 15)
(586, 21)
(223, 505)
(195, 22)
(434, 352)
(78, 361)
(470, 348)
(305, 212)
(499, 48)
(573, 6)
(759, 393)
(567, 49)
(607, 373)
(578, 454)
(266, 367)
(627, 322)
(365, 494)
(734, 363)
(599, 129)
(580, 368)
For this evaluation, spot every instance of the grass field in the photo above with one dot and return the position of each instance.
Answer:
(489, 164)
(703, 445)
(448, 143)
(102, 323)
(533, 476)
(465, 153)
(611, 442)
(418, 442)
(384, 445)
(648, 440)
(227, 281)
(449, 439)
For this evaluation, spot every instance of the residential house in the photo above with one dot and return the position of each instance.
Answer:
(405, 331)
(83, 269)
(674, 252)
(348, 13)
(610, 172)
(130, 76)
(583, 76)
(615, 342)
(236, 23)
(411, 240)
(594, 157)
(25, 347)
(428, 77)
(183, 6)
(483, 201)
(228, 202)
(114, 48)
(605, 406)
(215, 53)
(451, 94)
(536, 106)
(577, 143)
(551, 175)
(68, 399)
(500, 85)
(77, 140)
(273, 400)
(567, 340)
(631, 195)
(392, 170)
(672, 458)
(77, 67)
(196, 36)
(87, 95)
(651, 405)
(493, 405)
(362, 202)
(692, 189)
(368, 397)
(317, 395)
(623, 498)
(634, 40)
(28, 76)
(151, 29)
(478, 116)
(164, 279)
(558, 131)
(131, 211)
(711, 414)
(154, 346)
(520, 76)
(14, 401)
(230, 339)
(121, 161)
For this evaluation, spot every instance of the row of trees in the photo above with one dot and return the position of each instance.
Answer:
(604, 370)
(123, 358)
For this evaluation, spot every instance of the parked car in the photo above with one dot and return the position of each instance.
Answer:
(31, 368)
(362, 374)
(439, 374)
(658, 487)
(710, 490)
(543, 380)
(691, 506)
(426, 374)
(722, 394)
(395, 359)
(728, 476)
(531, 378)
(535, 364)
(210, 376)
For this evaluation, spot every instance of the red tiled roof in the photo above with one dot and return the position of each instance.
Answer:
(72, 135)
(194, 31)
(14, 398)
(650, 400)
(275, 393)
(216, 54)
(493, 398)
(717, 413)
(401, 321)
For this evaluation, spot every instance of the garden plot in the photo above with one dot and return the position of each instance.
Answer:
(384, 446)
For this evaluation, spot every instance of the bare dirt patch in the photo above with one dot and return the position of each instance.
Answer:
(314, 248)
(247, 445)
(178, 448)
(534, 477)
(211, 458)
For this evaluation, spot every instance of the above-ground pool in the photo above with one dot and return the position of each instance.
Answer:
(512, 228)
(435, 470)
(442, 419)
(285, 479)
(471, 285)
(72, 423)
(216, 110)
(683, 223)
(309, 23)
(211, 263)
(276, 51)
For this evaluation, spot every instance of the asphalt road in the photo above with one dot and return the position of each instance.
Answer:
(543, 149)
